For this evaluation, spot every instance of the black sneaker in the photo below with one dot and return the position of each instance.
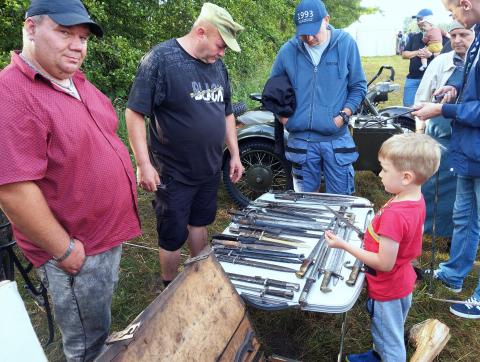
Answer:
(369, 356)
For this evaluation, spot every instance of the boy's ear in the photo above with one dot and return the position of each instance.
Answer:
(407, 178)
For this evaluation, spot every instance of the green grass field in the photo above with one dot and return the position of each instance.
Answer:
(295, 334)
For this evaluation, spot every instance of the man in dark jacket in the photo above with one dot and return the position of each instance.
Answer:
(465, 115)
(414, 51)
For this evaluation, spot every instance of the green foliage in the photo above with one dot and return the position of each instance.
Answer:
(345, 12)
(132, 27)
(10, 27)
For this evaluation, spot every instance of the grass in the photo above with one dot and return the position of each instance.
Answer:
(295, 334)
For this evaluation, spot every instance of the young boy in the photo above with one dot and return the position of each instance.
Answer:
(393, 239)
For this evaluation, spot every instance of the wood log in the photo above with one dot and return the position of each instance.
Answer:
(429, 337)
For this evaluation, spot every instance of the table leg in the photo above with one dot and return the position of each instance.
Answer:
(342, 337)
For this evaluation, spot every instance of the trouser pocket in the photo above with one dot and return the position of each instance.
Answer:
(344, 150)
(296, 153)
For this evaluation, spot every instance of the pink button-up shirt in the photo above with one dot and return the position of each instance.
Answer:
(70, 149)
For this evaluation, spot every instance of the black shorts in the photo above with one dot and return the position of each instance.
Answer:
(178, 205)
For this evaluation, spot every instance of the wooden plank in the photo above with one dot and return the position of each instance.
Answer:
(192, 320)
(238, 339)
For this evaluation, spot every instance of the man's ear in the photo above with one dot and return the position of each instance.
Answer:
(30, 28)
(465, 4)
(200, 32)
(407, 178)
(327, 19)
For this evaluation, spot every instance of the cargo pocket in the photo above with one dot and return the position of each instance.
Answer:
(344, 150)
(296, 153)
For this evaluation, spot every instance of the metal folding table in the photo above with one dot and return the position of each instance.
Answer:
(341, 297)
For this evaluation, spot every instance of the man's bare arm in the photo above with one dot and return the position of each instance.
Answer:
(236, 168)
(26, 207)
(421, 53)
(147, 176)
(409, 54)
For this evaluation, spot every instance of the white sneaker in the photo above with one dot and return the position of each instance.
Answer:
(444, 283)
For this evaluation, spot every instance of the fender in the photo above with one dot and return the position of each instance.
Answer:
(395, 110)
(262, 132)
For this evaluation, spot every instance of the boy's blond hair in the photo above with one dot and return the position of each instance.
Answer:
(414, 152)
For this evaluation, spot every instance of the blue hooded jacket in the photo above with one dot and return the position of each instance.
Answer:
(322, 91)
(465, 142)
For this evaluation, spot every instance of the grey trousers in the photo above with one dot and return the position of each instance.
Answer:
(388, 325)
(81, 303)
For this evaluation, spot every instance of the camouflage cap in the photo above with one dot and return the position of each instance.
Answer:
(223, 21)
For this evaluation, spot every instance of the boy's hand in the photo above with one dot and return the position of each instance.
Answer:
(333, 240)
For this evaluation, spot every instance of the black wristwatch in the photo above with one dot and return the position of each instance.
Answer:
(345, 117)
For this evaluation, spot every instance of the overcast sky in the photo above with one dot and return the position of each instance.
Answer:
(395, 11)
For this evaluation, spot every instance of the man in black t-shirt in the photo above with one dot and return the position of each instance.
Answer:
(415, 50)
(182, 85)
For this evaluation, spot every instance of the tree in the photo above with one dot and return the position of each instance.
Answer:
(132, 27)
(345, 12)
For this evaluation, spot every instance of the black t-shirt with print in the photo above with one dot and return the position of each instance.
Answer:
(187, 101)
(415, 42)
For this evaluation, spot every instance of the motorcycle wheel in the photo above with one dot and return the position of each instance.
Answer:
(264, 171)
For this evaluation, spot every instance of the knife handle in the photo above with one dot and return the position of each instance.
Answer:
(304, 268)
(282, 285)
(356, 268)
(326, 280)
(279, 293)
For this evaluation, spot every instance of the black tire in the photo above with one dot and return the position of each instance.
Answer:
(239, 108)
(264, 171)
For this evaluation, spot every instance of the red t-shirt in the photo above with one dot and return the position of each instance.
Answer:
(70, 149)
(402, 222)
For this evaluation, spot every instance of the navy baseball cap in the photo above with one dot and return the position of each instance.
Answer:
(308, 16)
(64, 12)
(423, 13)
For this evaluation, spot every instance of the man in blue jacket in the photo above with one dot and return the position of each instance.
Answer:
(465, 141)
(323, 65)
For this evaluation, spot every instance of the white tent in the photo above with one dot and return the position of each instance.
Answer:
(374, 36)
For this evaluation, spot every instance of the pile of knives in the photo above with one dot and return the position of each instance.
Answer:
(275, 235)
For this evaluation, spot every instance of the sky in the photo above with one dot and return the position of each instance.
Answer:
(395, 11)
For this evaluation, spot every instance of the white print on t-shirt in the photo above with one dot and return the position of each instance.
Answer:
(212, 93)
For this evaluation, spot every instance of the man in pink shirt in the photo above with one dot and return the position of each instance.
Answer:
(67, 183)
